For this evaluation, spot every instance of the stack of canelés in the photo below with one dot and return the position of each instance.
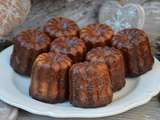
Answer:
(85, 66)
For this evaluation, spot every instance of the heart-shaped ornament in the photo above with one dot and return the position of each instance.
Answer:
(119, 17)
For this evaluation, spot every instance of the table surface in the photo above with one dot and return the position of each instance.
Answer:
(86, 9)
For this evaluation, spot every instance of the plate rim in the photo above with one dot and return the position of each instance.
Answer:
(143, 100)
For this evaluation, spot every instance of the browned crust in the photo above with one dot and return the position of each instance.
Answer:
(113, 58)
(50, 78)
(27, 46)
(134, 44)
(96, 35)
(71, 46)
(90, 85)
(61, 27)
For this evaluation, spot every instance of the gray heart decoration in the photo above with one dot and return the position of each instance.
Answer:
(120, 17)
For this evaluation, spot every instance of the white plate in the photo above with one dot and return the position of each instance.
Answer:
(14, 91)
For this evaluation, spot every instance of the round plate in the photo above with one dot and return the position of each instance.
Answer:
(14, 91)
